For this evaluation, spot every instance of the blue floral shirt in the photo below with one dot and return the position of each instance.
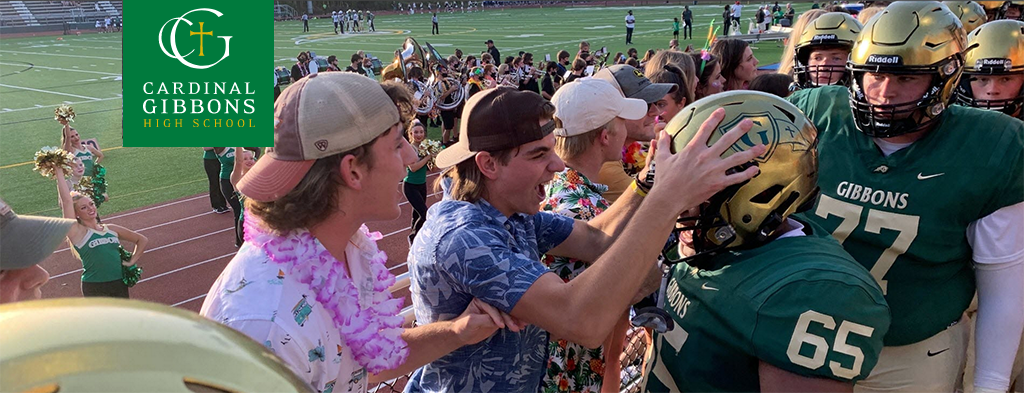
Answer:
(471, 250)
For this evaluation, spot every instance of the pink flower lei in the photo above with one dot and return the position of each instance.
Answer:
(371, 329)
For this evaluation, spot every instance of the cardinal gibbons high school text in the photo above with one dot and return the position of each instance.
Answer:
(207, 112)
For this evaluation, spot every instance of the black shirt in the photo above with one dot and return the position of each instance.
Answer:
(359, 70)
(571, 78)
(548, 83)
(473, 89)
(495, 54)
(688, 15)
(299, 72)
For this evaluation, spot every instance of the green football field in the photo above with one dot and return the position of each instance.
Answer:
(37, 74)
(541, 31)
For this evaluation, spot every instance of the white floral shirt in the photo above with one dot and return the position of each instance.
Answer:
(254, 295)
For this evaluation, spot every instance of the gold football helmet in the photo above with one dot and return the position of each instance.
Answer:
(907, 37)
(996, 48)
(832, 30)
(116, 345)
(995, 9)
(748, 214)
(971, 13)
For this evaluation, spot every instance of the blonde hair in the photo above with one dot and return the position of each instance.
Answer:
(789, 54)
(679, 59)
(570, 147)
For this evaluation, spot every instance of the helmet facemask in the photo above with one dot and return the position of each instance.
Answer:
(890, 120)
(1013, 106)
(807, 75)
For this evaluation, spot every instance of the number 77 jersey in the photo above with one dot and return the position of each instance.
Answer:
(905, 216)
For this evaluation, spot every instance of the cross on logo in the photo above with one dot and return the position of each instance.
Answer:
(174, 53)
(201, 33)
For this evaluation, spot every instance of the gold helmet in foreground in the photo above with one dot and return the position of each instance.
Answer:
(748, 214)
(971, 13)
(115, 345)
(996, 48)
(907, 38)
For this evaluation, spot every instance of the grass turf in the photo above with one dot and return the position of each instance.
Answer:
(39, 73)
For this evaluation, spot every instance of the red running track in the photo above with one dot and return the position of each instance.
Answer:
(189, 245)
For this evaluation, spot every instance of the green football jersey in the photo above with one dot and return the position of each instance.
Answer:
(904, 217)
(799, 303)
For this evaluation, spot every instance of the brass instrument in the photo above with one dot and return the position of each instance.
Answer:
(411, 55)
(440, 84)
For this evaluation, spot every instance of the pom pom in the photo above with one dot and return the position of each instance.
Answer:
(428, 147)
(64, 114)
(49, 158)
(129, 274)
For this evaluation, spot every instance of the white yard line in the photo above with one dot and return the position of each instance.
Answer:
(57, 54)
(50, 92)
(50, 106)
(61, 69)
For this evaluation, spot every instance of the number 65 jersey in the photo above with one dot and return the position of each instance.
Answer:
(905, 216)
(798, 303)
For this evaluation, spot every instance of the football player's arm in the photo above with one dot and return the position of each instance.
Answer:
(774, 379)
(997, 241)
(822, 325)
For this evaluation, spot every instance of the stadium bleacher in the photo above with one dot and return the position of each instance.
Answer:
(41, 13)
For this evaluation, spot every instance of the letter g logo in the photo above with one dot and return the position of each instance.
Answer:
(200, 33)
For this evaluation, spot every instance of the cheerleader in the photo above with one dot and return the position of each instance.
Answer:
(226, 156)
(97, 245)
(90, 156)
(415, 183)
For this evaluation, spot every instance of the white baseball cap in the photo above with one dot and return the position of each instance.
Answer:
(585, 104)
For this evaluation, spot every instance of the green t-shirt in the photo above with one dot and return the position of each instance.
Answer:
(799, 303)
(675, 26)
(904, 217)
(209, 155)
(87, 160)
(416, 177)
(101, 260)
(227, 162)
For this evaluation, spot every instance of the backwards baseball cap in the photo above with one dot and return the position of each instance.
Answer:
(497, 119)
(632, 83)
(319, 116)
(591, 103)
(27, 240)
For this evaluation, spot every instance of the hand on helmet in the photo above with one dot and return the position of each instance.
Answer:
(692, 175)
